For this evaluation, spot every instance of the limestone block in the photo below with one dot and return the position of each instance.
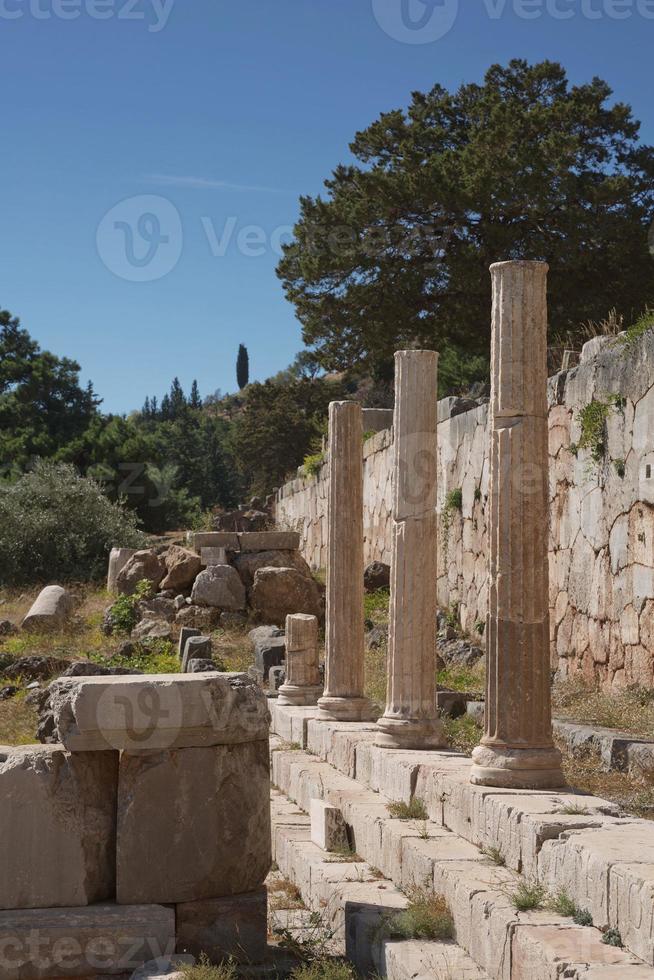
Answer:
(197, 647)
(269, 541)
(214, 539)
(37, 944)
(157, 711)
(58, 819)
(213, 556)
(144, 565)
(185, 633)
(220, 795)
(328, 829)
(248, 564)
(631, 905)
(419, 856)
(269, 643)
(234, 926)
(219, 586)
(580, 862)
(199, 617)
(50, 611)
(182, 567)
(118, 558)
(566, 950)
(280, 592)
(415, 959)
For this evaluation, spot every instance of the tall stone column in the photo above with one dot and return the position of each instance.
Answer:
(517, 749)
(303, 683)
(343, 699)
(410, 720)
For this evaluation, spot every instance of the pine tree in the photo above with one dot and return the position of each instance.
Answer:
(177, 399)
(146, 411)
(242, 367)
(195, 401)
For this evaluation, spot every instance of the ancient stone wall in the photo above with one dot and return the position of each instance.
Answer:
(601, 507)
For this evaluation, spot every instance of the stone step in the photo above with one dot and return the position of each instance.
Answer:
(539, 834)
(426, 854)
(356, 902)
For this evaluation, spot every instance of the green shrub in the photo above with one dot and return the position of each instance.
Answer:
(124, 615)
(313, 464)
(528, 896)
(55, 524)
(427, 917)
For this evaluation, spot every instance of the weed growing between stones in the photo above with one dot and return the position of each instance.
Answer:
(203, 970)
(284, 894)
(415, 810)
(453, 505)
(562, 904)
(462, 733)
(428, 916)
(313, 464)
(124, 611)
(573, 810)
(495, 855)
(528, 896)
(632, 335)
(582, 918)
(346, 854)
(612, 937)
(324, 970)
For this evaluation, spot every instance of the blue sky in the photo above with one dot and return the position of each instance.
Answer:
(189, 123)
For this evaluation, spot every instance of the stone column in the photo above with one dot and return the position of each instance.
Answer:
(517, 749)
(303, 683)
(343, 699)
(410, 720)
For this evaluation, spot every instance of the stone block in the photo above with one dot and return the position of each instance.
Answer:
(280, 592)
(144, 565)
(234, 926)
(552, 951)
(201, 666)
(58, 820)
(248, 564)
(182, 566)
(269, 541)
(157, 711)
(118, 558)
(197, 647)
(50, 611)
(213, 556)
(276, 677)
(328, 828)
(215, 539)
(193, 824)
(269, 643)
(219, 586)
(631, 904)
(185, 633)
(44, 943)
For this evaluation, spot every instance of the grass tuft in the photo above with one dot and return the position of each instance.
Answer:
(528, 896)
(326, 969)
(495, 855)
(204, 970)
(415, 810)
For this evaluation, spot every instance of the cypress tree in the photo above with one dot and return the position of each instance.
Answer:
(242, 367)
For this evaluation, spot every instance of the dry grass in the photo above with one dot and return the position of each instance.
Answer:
(631, 710)
(585, 773)
(283, 894)
(232, 647)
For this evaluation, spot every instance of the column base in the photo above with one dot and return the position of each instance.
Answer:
(407, 733)
(517, 768)
(344, 709)
(295, 696)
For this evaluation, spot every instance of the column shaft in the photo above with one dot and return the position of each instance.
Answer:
(517, 748)
(343, 699)
(303, 684)
(410, 720)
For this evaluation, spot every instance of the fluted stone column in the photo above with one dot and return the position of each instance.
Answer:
(410, 720)
(517, 749)
(303, 683)
(343, 699)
